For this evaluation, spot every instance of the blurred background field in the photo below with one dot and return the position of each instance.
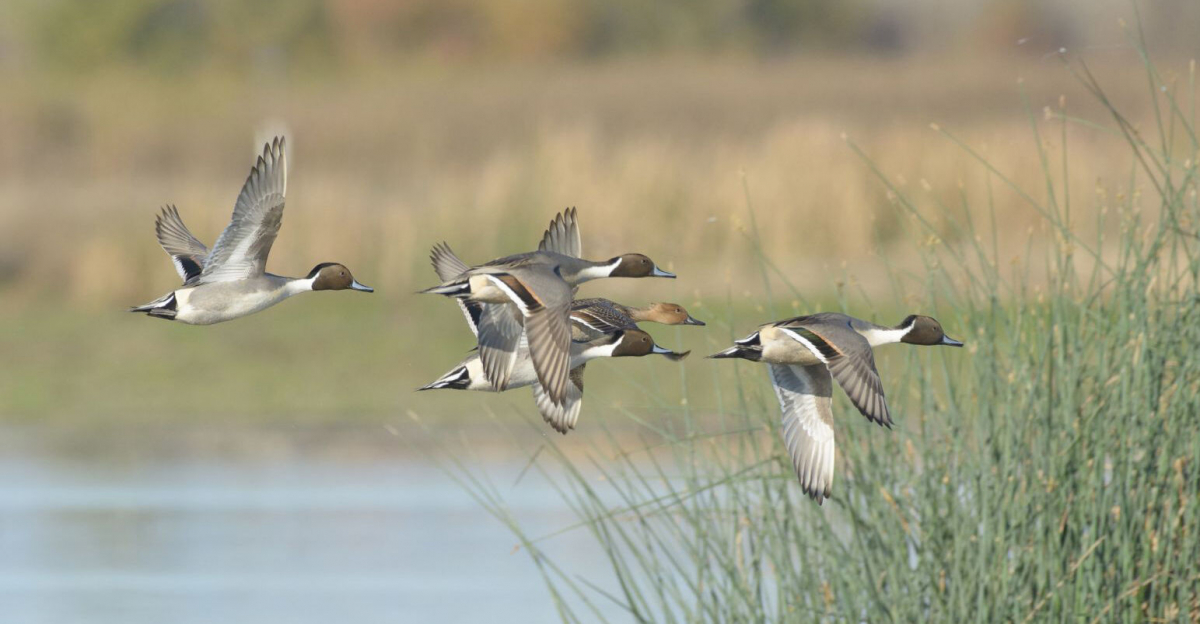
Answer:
(474, 122)
(282, 464)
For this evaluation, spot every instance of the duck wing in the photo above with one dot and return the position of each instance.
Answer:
(446, 263)
(850, 360)
(549, 335)
(186, 251)
(544, 302)
(448, 266)
(593, 318)
(499, 332)
(241, 250)
(562, 237)
(805, 398)
(562, 417)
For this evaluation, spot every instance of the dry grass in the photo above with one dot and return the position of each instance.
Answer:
(658, 157)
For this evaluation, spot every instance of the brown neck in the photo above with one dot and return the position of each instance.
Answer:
(644, 313)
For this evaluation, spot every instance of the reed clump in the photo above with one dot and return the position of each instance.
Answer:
(1049, 471)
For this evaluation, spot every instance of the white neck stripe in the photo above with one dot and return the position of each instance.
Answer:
(597, 271)
(299, 285)
(881, 336)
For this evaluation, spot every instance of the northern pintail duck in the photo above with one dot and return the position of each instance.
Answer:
(665, 313)
(804, 354)
(595, 333)
(231, 280)
(530, 295)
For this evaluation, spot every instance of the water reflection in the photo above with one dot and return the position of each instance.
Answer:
(176, 537)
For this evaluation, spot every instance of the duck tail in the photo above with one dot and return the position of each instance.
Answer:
(453, 289)
(744, 352)
(164, 307)
(457, 379)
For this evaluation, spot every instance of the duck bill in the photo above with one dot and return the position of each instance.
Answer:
(354, 285)
(691, 320)
(669, 354)
(950, 342)
(657, 272)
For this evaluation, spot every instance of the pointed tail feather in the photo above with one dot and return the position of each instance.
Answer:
(454, 289)
(739, 351)
(163, 307)
(457, 379)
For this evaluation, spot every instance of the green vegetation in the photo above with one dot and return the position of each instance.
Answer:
(1048, 472)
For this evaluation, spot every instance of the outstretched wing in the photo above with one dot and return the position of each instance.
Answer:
(499, 337)
(241, 250)
(549, 333)
(186, 251)
(852, 364)
(446, 263)
(804, 394)
(562, 417)
(448, 266)
(562, 236)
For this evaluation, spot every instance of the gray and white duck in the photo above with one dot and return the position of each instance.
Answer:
(231, 281)
(599, 328)
(530, 295)
(805, 355)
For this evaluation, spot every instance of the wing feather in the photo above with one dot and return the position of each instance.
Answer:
(805, 398)
(562, 236)
(549, 333)
(499, 337)
(562, 417)
(852, 364)
(186, 251)
(241, 250)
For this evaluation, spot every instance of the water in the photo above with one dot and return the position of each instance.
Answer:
(128, 531)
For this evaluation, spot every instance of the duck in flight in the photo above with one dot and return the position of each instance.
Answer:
(231, 281)
(599, 328)
(804, 355)
(528, 296)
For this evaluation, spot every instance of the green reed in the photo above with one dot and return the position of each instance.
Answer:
(1049, 471)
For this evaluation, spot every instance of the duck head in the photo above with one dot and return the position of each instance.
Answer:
(925, 330)
(669, 314)
(335, 276)
(636, 343)
(636, 265)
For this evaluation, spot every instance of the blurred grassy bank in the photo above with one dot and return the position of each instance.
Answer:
(384, 165)
(669, 158)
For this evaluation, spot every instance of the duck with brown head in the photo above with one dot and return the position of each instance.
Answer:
(592, 317)
(535, 290)
(231, 281)
(805, 355)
